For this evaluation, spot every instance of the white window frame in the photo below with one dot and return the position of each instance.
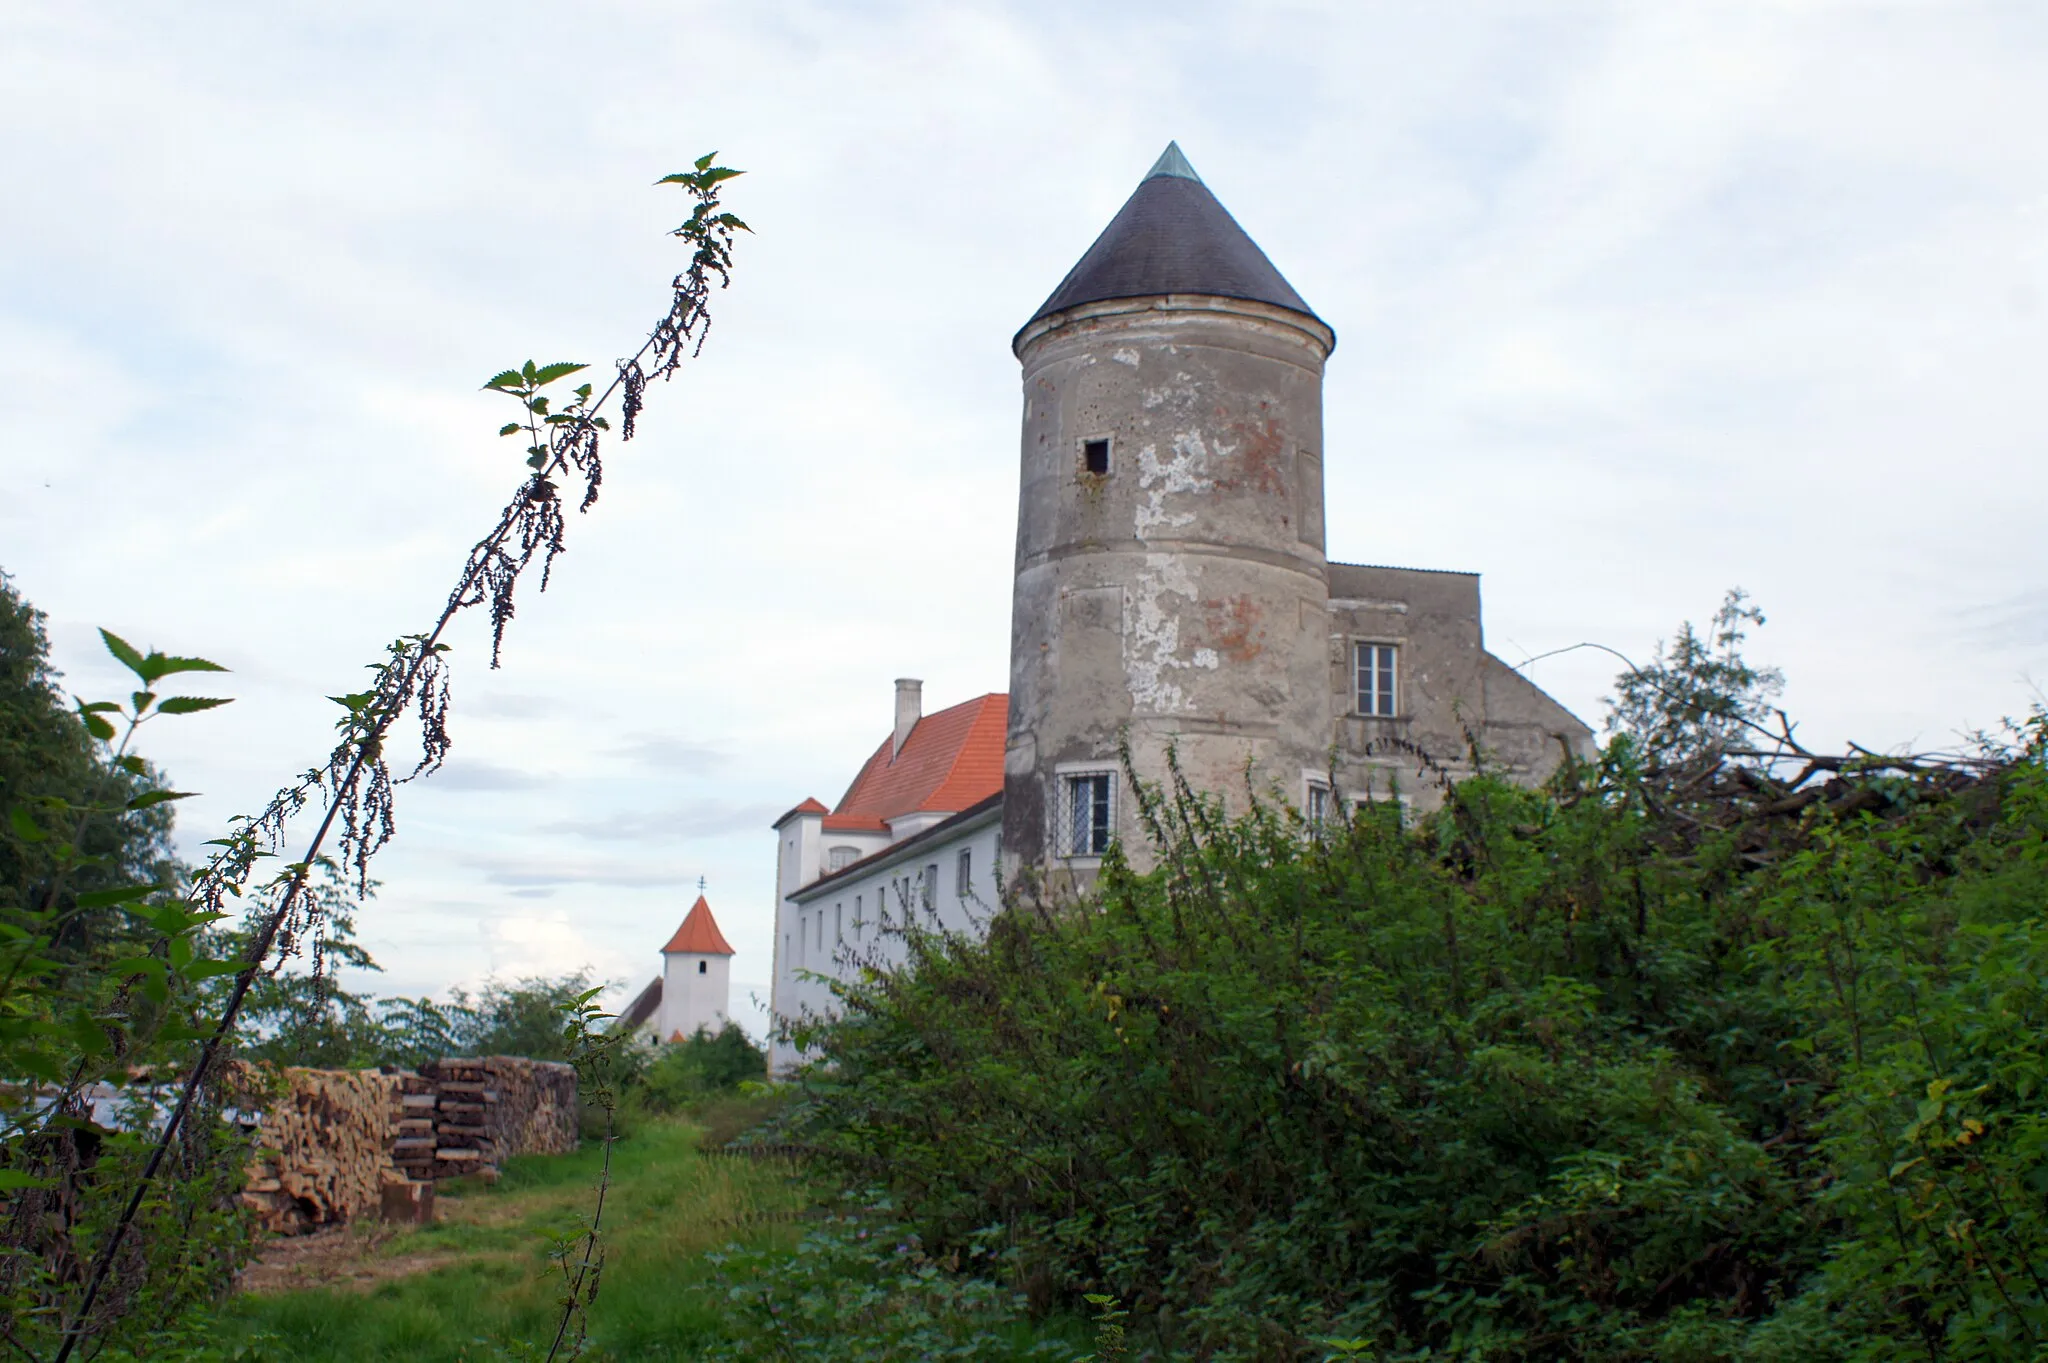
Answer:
(840, 857)
(963, 873)
(928, 893)
(1319, 803)
(1385, 664)
(1066, 812)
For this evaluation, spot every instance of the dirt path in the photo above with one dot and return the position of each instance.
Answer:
(342, 1258)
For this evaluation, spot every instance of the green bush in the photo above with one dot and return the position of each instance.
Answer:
(682, 1074)
(1640, 1066)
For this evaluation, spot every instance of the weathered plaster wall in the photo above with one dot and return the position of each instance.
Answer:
(1452, 692)
(1180, 595)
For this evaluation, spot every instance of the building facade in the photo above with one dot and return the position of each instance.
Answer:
(1172, 591)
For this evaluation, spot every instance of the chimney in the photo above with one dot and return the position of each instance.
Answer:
(909, 706)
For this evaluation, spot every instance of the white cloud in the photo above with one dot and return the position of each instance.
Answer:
(1635, 303)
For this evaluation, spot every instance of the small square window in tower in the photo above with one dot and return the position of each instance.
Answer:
(1377, 669)
(1095, 456)
(1087, 813)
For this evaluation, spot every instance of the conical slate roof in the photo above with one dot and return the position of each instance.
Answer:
(1172, 236)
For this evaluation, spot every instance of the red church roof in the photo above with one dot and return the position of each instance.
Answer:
(699, 934)
(952, 759)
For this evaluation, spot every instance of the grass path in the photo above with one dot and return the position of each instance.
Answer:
(444, 1293)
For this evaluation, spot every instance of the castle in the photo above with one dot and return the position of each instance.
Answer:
(1171, 591)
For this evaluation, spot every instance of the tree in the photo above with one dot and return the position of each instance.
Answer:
(46, 754)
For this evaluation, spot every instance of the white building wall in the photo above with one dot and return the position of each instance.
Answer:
(696, 991)
(836, 929)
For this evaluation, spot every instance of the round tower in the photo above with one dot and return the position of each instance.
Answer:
(1170, 580)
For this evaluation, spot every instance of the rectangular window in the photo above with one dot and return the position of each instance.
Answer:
(859, 923)
(1376, 678)
(1095, 456)
(803, 937)
(838, 924)
(1318, 808)
(839, 858)
(1087, 814)
(963, 873)
(930, 892)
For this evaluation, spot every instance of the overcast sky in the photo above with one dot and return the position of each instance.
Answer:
(1634, 302)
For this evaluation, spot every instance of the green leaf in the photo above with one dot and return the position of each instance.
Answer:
(89, 1035)
(125, 651)
(157, 797)
(165, 665)
(136, 965)
(11, 1179)
(706, 159)
(25, 825)
(206, 970)
(508, 378)
(548, 373)
(536, 459)
(509, 428)
(191, 705)
(126, 894)
(98, 728)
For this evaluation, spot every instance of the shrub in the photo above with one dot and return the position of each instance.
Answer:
(1661, 1062)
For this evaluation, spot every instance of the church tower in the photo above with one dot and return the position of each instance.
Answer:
(1170, 577)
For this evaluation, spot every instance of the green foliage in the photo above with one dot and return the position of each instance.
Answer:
(860, 1286)
(706, 1065)
(1676, 1059)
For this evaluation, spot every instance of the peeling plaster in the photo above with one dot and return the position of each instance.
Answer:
(1185, 472)
(1152, 636)
(1125, 356)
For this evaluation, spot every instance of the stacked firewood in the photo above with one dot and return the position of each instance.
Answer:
(535, 1111)
(462, 1135)
(332, 1145)
(413, 1141)
(323, 1146)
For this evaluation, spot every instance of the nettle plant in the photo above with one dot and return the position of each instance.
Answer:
(130, 989)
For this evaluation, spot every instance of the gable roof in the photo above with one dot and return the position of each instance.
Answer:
(1172, 236)
(640, 1009)
(951, 760)
(699, 934)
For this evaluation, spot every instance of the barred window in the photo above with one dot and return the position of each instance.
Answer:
(1376, 679)
(1087, 813)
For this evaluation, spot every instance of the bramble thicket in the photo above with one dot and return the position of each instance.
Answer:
(1715, 1048)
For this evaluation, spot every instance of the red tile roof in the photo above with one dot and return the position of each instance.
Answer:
(952, 759)
(809, 806)
(699, 934)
